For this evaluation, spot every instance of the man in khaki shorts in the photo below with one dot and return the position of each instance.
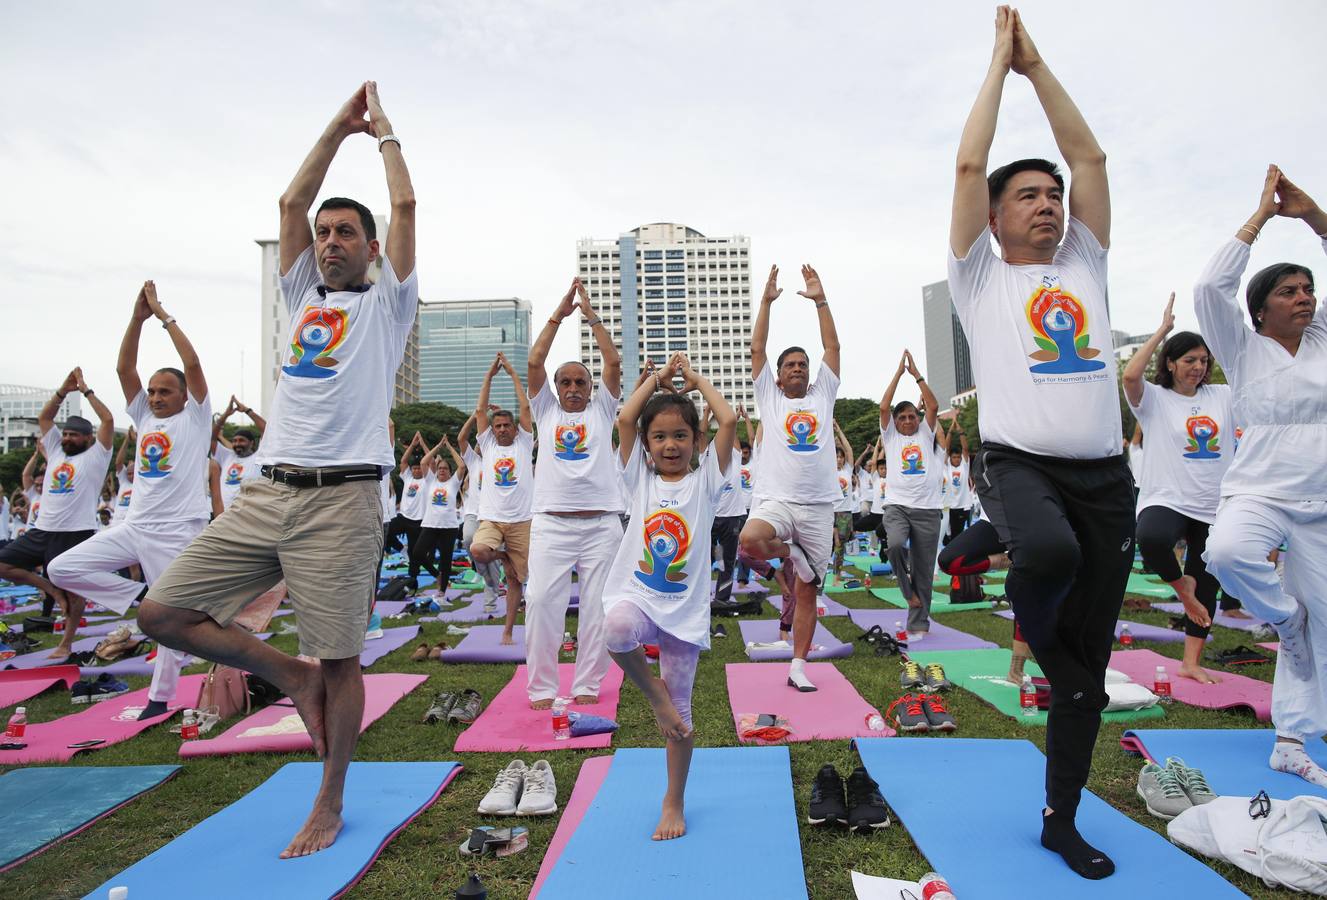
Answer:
(315, 517)
(506, 501)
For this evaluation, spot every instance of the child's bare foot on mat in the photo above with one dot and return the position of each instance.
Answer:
(672, 824)
(1198, 674)
(319, 832)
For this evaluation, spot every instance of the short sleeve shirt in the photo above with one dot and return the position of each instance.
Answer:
(413, 497)
(73, 484)
(235, 470)
(958, 484)
(170, 478)
(120, 508)
(576, 468)
(508, 490)
(797, 462)
(913, 462)
(440, 502)
(1189, 448)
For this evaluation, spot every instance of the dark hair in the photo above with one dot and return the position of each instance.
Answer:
(998, 180)
(502, 413)
(744, 445)
(904, 406)
(179, 376)
(365, 217)
(247, 433)
(1261, 285)
(1175, 347)
(784, 355)
(661, 403)
(416, 458)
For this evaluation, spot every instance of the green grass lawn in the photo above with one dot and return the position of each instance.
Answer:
(423, 860)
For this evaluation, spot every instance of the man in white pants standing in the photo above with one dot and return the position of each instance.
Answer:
(577, 506)
(173, 421)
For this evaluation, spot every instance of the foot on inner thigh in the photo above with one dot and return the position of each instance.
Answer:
(670, 722)
(672, 824)
(318, 832)
(309, 696)
(1198, 674)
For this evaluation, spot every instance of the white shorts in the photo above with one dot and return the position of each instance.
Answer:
(810, 525)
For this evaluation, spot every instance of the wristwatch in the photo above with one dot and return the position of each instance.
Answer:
(388, 137)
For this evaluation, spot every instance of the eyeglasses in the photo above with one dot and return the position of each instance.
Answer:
(1260, 806)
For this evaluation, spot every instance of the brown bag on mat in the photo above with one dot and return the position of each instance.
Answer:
(227, 689)
(256, 616)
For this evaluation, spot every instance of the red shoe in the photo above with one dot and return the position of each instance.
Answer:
(937, 716)
(911, 717)
(651, 651)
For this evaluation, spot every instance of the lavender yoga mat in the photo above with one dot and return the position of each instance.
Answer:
(1253, 626)
(508, 724)
(1234, 690)
(832, 606)
(1139, 630)
(767, 631)
(38, 658)
(940, 637)
(832, 712)
(392, 639)
(471, 612)
(140, 665)
(484, 645)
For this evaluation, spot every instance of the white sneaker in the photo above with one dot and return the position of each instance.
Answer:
(914, 636)
(541, 791)
(501, 799)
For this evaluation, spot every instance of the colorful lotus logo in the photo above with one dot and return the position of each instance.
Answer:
(154, 455)
(62, 479)
(440, 496)
(800, 426)
(746, 479)
(912, 460)
(570, 443)
(1203, 443)
(320, 331)
(1059, 326)
(667, 540)
(504, 472)
(234, 473)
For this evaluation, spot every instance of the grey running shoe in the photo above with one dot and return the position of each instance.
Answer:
(442, 704)
(911, 676)
(467, 707)
(935, 678)
(1192, 780)
(939, 718)
(908, 713)
(1162, 792)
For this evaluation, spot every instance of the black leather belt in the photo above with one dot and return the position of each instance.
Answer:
(300, 476)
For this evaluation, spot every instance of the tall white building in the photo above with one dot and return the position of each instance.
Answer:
(665, 287)
(20, 405)
(274, 350)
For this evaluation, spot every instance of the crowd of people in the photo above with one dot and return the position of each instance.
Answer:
(638, 491)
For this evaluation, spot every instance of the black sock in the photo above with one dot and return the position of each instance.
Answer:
(1059, 833)
(154, 708)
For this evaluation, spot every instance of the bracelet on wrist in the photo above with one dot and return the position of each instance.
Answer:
(61, 396)
(168, 322)
(820, 304)
(1251, 229)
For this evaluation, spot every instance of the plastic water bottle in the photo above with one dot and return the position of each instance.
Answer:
(189, 730)
(1126, 637)
(568, 643)
(1027, 696)
(59, 624)
(561, 721)
(900, 633)
(1161, 685)
(867, 581)
(18, 724)
(934, 887)
(821, 609)
(874, 722)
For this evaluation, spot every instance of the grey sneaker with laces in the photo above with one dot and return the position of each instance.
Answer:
(1162, 792)
(1192, 780)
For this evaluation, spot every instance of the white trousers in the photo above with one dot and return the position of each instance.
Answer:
(556, 544)
(89, 571)
(1247, 529)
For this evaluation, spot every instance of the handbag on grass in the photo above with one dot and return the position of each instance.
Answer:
(227, 689)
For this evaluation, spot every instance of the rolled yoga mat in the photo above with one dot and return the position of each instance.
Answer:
(1233, 760)
(1140, 631)
(17, 685)
(278, 728)
(940, 637)
(508, 724)
(392, 639)
(979, 825)
(43, 806)
(483, 644)
(1253, 626)
(235, 853)
(591, 776)
(1234, 692)
(767, 631)
(834, 711)
(741, 841)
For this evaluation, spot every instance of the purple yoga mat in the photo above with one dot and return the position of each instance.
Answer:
(392, 639)
(940, 637)
(832, 606)
(38, 658)
(1253, 626)
(471, 612)
(1139, 630)
(767, 630)
(751, 587)
(385, 608)
(483, 645)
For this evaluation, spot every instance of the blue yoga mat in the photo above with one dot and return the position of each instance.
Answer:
(1233, 760)
(48, 804)
(741, 838)
(234, 853)
(976, 820)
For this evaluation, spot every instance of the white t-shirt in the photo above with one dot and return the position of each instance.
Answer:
(848, 496)
(797, 462)
(747, 479)
(73, 484)
(235, 470)
(34, 505)
(474, 467)
(120, 508)
(388, 499)
(170, 484)
(413, 498)
(576, 469)
(1189, 449)
(958, 484)
(507, 496)
(1041, 347)
(440, 506)
(733, 500)
(913, 459)
(879, 492)
(1136, 462)
(663, 562)
(5, 516)
(335, 391)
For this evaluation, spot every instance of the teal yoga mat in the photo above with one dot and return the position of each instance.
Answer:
(977, 821)
(43, 806)
(741, 840)
(939, 602)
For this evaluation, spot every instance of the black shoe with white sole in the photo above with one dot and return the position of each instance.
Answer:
(866, 806)
(827, 798)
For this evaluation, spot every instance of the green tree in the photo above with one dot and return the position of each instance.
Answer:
(432, 420)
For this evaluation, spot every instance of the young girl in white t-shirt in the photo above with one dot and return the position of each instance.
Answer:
(658, 590)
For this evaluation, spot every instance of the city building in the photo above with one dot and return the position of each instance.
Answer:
(274, 350)
(1126, 345)
(20, 406)
(948, 360)
(665, 287)
(457, 342)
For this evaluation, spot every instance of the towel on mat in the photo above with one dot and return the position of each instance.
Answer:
(747, 729)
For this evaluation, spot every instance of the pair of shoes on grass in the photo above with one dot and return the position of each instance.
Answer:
(929, 679)
(456, 708)
(424, 651)
(858, 805)
(521, 790)
(921, 712)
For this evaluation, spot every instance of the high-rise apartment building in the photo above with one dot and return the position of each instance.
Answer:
(665, 287)
(274, 351)
(948, 361)
(457, 342)
(20, 406)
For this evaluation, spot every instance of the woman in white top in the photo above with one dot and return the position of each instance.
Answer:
(440, 528)
(1276, 489)
(1188, 423)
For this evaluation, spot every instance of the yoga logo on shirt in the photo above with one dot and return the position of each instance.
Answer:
(154, 455)
(912, 460)
(1203, 443)
(570, 443)
(320, 331)
(124, 498)
(504, 473)
(1059, 326)
(800, 426)
(746, 479)
(62, 479)
(234, 473)
(440, 496)
(843, 486)
(667, 542)
(957, 477)
(412, 489)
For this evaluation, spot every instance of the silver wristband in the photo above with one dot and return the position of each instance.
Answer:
(388, 137)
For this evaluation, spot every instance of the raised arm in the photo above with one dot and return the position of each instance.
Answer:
(1089, 192)
(463, 437)
(629, 415)
(887, 401)
(481, 405)
(214, 487)
(130, 443)
(870, 448)
(405, 455)
(603, 339)
(523, 401)
(928, 395)
(536, 375)
(715, 402)
(760, 330)
(746, 423)
(261, 424)
(219, 423)
(46, 418)
(1132, 376)
(105, 419)
(842, 440)
(829, 335)
(400, 192)
(957, 429)
(458, 464)
(704, 437)
(193, 368)
(427, 462)
(972, 202)
(126, 366)
(30, 470)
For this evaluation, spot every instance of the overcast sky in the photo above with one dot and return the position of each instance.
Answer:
(151, 140)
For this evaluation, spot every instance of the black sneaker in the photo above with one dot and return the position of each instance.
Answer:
(866, 808)
(827, 798)
(718, 630)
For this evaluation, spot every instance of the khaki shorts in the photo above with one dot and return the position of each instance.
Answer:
(324, 541)
(516, 537)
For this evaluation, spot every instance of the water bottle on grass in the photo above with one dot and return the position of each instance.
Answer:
(934, 887)
(18, 724)
(1027, 696)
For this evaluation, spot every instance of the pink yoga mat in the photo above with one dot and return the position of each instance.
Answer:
(592, 775)
(1274, 646)
(1233, 691)
(110, 721)
(767, 631)
(940, 637)
(17, 685)
(508, 724)
(392, 639)
(832, 712)
(1253, 626)
(484, 645)
(381, 693)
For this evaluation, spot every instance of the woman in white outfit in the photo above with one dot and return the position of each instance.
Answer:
(1276, 489)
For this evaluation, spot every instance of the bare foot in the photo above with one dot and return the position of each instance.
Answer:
(672, 824)
(541, 704)
(319, 831)
(507, 639)
(309, 696)
(1236, 614)
(61, 651)
(586, 699)
(671, 725)
(1186, 590)
(1198, 674)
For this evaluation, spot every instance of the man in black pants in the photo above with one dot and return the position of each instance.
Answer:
(1054, 483)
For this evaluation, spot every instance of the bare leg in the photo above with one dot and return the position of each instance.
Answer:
(513, 604)
(1190, 667)
(73, 608)
(672, 822)
(671, 726)
(804, 619)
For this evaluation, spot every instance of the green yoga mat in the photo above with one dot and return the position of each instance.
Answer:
(1148, 586)
(834, 586)
(939, 602)
(983, 671)
(862, 561)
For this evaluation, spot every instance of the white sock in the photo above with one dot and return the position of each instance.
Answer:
(1294, 760)
(797, 675)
